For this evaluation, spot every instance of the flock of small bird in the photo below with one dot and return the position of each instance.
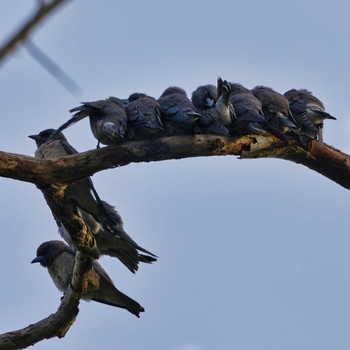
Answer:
(222, 109)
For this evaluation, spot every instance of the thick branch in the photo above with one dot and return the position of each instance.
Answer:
(326, 160)
(24, 31)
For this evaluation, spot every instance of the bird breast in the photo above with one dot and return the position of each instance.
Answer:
(61, 271)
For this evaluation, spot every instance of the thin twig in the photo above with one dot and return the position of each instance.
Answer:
(22, 33)
(53, 68)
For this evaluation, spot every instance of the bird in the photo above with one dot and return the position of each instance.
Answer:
(178, 112)
(115, 243)
(308, 111)
(144, 117)
(59, 260)
(108, 120)
(103, 221)
(248, 111)
(276, 110)
(223, 105)
(204, 98)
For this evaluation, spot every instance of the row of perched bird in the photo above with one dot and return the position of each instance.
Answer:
(225, 108)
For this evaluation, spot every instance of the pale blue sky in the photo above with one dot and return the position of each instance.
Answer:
(254, 254)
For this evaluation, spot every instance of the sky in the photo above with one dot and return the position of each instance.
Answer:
(253, 254)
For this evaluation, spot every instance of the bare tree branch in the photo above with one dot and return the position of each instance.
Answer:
(50, 176)
(21, 34)
(326, 160)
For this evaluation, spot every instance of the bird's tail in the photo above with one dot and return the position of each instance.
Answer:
(118, 229)
(114, 246)
(112, 296)
(147, 258)
(82, 113)
(224, 90)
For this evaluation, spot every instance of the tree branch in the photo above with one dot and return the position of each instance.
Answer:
(326, 160)
(50, 176)
(24, 31)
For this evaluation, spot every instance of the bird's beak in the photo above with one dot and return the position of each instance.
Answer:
(209, 102)
(38, 259)
(34, 137)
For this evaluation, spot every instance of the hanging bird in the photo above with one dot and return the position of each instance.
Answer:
(144, 117)
(249, 114)
(204, 98)
(178, 113)
(116, 243)
(276, 111)
(59, 260)
(108, 120)
(308, 111)
(103, 221)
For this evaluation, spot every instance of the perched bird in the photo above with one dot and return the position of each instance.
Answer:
(59, 260)
(276, 111)
(308, 111)
(103, 221)
(248, 110)
(178, 112)
(204, 98)
(108, 120)
(223, 105)
(116, 243)
(144, 117)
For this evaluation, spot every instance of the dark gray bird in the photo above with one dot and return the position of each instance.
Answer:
(59, 260)
(104, 222)
(308, 111)
(116, 243)
(178, 113)
(144, 117)
(276, 111)
(108, 120)
(248, 110)
(204, 98)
